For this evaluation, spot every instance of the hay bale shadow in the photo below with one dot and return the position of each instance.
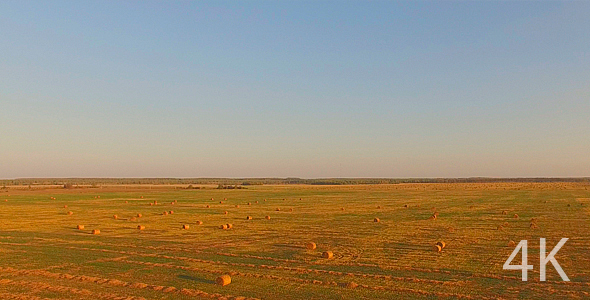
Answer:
(197, 279)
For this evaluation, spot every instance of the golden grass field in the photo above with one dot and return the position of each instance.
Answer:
(44, 255)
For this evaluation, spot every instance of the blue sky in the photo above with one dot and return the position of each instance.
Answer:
(294, 88)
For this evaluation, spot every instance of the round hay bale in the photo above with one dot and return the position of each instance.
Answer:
(151, 204)
(291, 209)
(224, 226)
(80, 227)
(223, 280)
(352, 285)
(220, 202)
(155, 202)
(115, 217)
(256, 201)
(264, 200)
(171, 212)
(126, 202)
(267, 217)
(511, 244)
(229, 226)
(212, 199)
(310, 246)
(376, 220)
(141, 197)
(328, 254)
(208, 206)
(65, 206)
(278, 209)
(199, 222)
(378, 206)
(224, 199)
(185, 226)
(172, 203)
(248, 218)
(437, 248)
(249, 203)
(504, 212)
(237, 206)
(342, 208)
(165, 213)
(441, 244)
(140, 227)
(406, 206)
(225, 212)
(132, 219)
(515, 216)
(95, 231)
(139, 215)
(70, 213)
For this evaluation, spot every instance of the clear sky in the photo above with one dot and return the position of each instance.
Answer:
(294, 88)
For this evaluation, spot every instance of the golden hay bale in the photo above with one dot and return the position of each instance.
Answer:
(256, 201)
(141, 197)
(437, 248)
(95, 231)
(126, 201)
(248, 218)
(230, 226)
(342, 208)
(70, 213)
(139, 215)
(267, 217)
(65, 206)
(185, 226)
(220, 202)
(80, 227)
(115, 217)
(155, 202)
(406, 206)
(223, 280)
(165, 213)
(172, 203)
(376, 220)
(237, 206)
(511, 244)
(378, 206)
(506, 224)
(441, 244)
(199, 222)
(249, 203)
(515, 216)
(208, 206)
(328, 254)
(310, 246)
(224, 199)
(352, 285)
(171, 212)
(291, 209)
(224, 226)
(278, 209)
(504, 212)
(264, 200)
(140, 227)
(225, 212)
(132, 219)
(151, 204)
(212, 199)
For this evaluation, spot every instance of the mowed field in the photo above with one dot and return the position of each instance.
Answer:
(44, 255)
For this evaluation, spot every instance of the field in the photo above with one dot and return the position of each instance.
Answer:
(44, 255)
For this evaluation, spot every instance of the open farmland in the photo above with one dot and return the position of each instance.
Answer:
(45, 255)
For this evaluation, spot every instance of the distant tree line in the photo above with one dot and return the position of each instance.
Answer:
(225, 182)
